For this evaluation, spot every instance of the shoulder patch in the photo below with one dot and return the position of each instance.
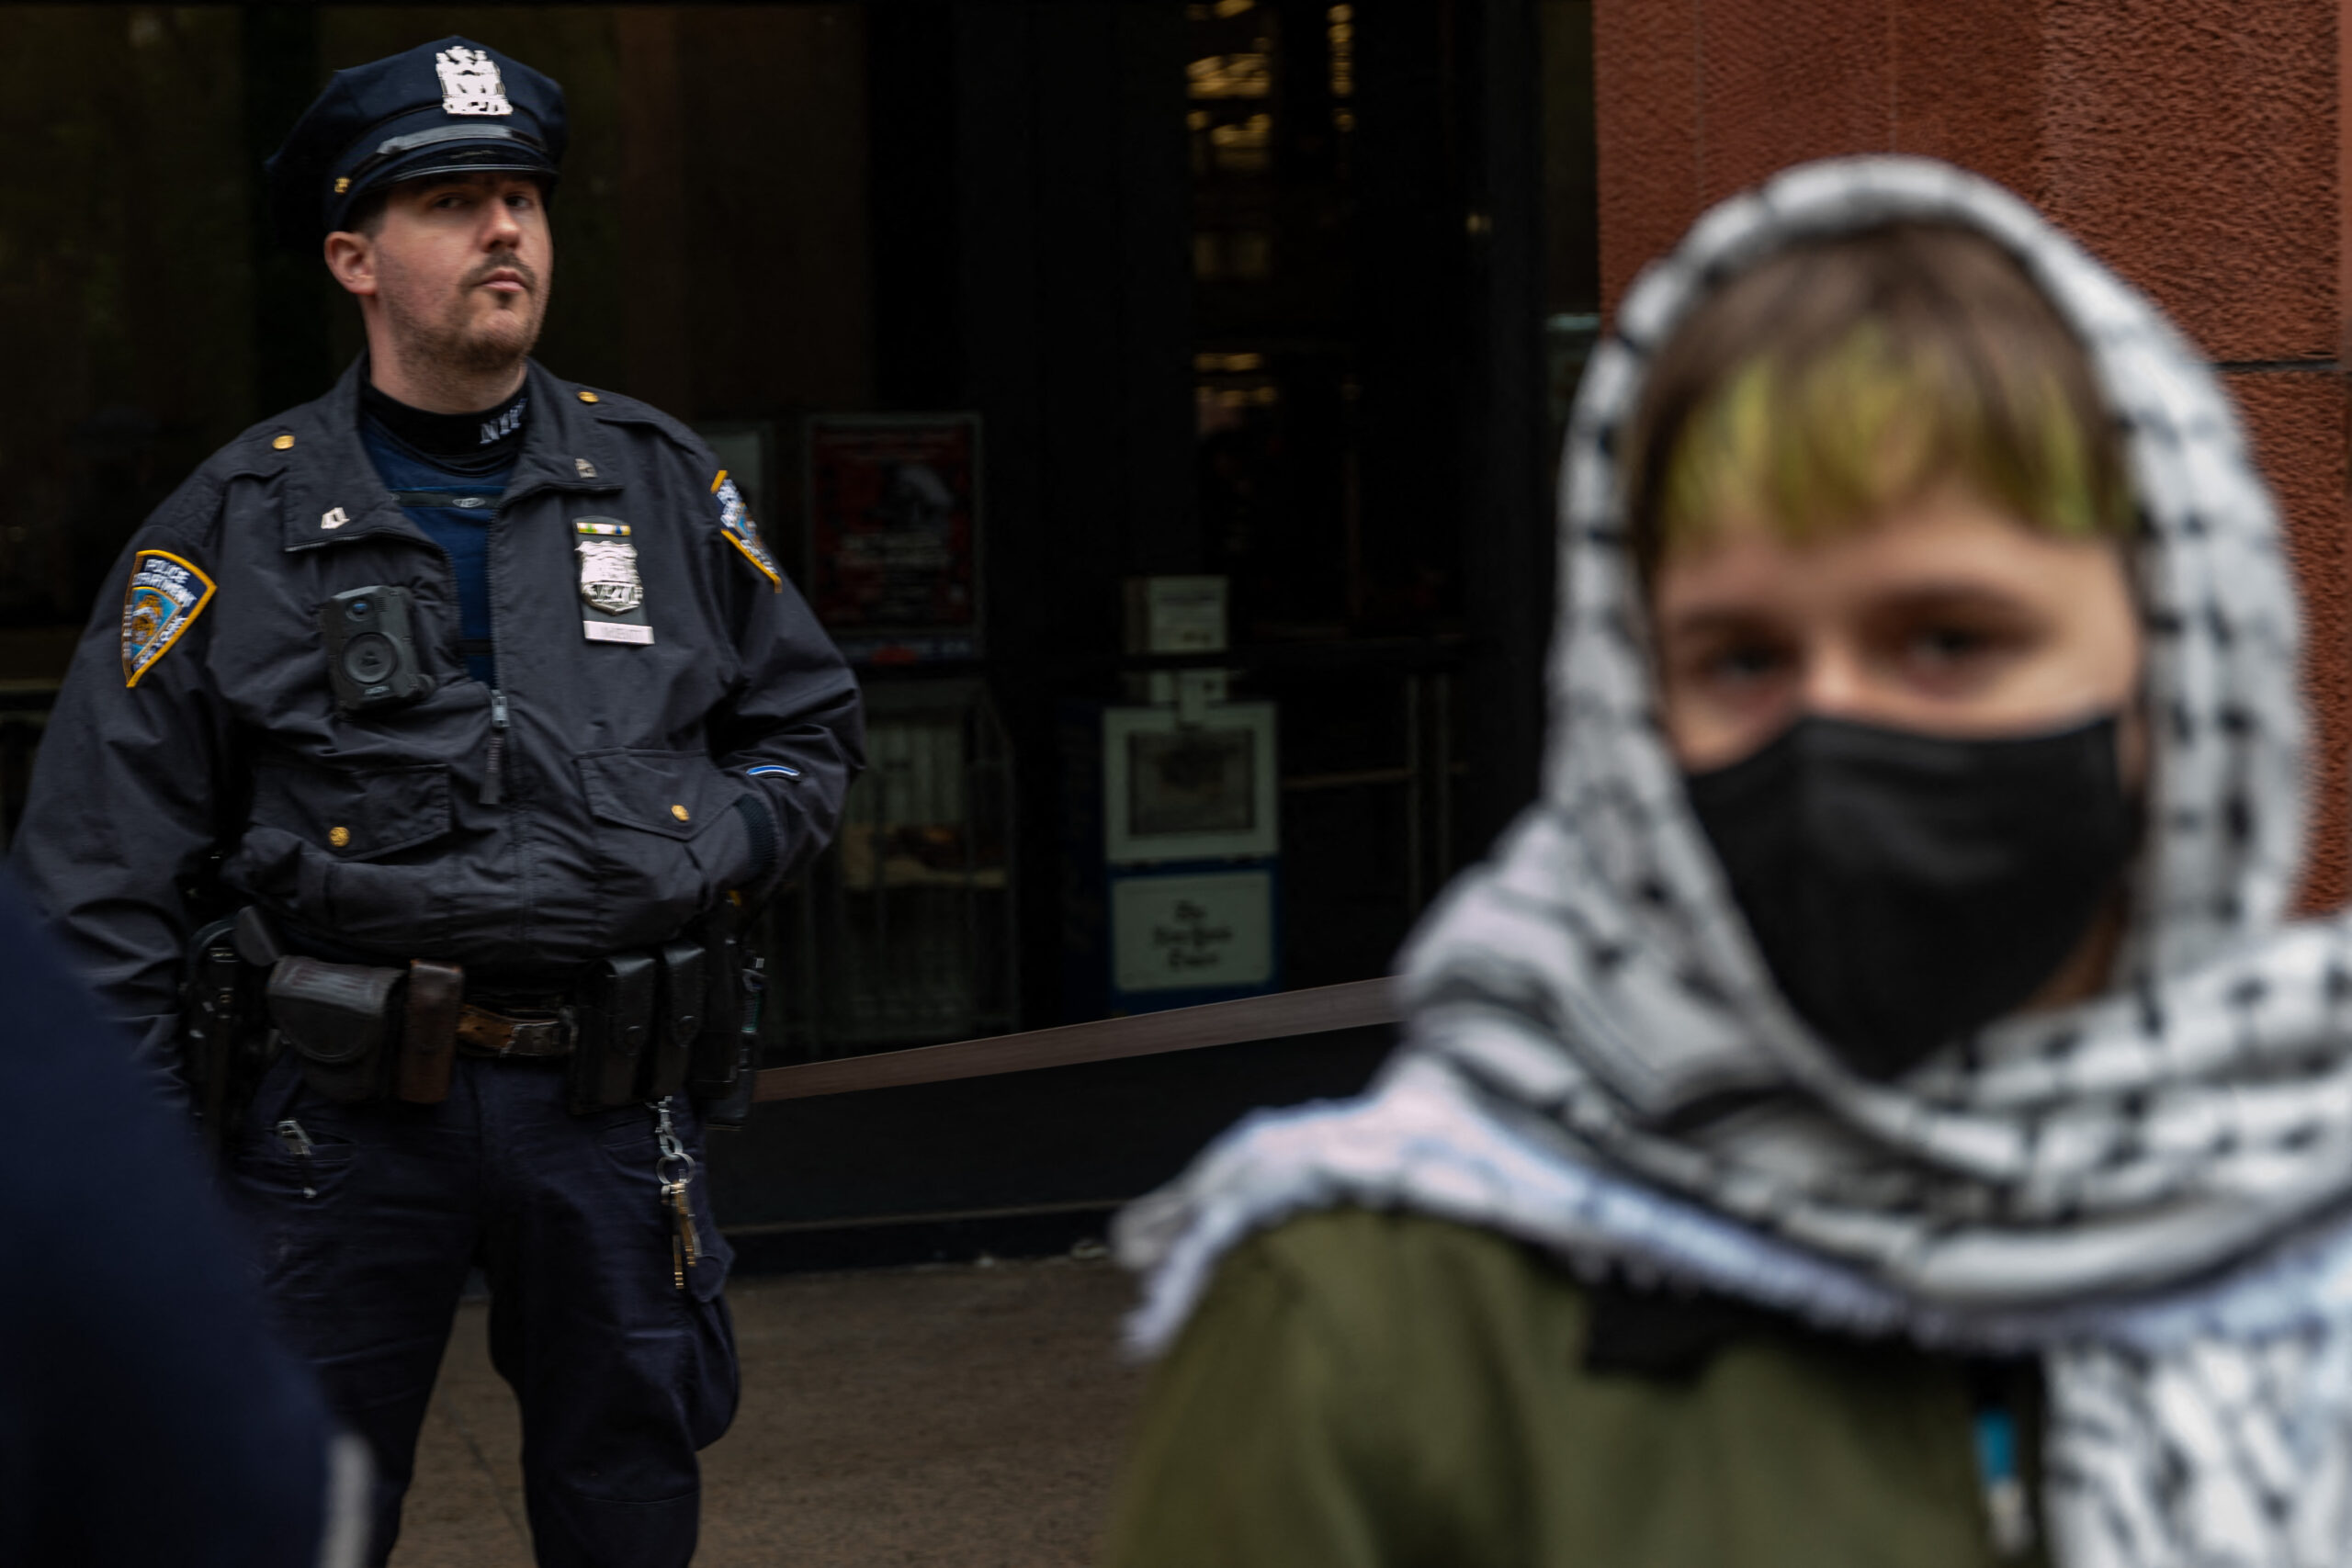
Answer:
(735, 521)
(163, 599)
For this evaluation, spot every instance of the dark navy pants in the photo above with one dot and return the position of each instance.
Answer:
(364, 1246)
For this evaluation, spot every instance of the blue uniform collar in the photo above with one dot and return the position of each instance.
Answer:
(332, 491)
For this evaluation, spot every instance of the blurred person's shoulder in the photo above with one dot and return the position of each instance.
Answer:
(1492, 1395)
(1378, 1280)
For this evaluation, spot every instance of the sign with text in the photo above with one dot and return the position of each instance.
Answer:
(1210, 931)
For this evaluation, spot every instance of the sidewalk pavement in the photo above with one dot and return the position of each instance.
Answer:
(969, 1416)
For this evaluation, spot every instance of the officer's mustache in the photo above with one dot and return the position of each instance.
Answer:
(481, 274)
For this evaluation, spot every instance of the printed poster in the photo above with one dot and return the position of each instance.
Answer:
(894, 535)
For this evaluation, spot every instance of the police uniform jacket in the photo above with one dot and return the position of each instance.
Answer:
(633, 786)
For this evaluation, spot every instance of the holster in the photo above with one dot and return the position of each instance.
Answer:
(342, 1023)
(614, 1022)
(221, 1023)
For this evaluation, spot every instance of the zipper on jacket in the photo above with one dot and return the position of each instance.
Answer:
(491, 791)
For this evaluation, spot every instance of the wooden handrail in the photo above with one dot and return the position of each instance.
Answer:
(1319, 1010)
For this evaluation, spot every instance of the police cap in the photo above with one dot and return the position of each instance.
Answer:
(451, 106)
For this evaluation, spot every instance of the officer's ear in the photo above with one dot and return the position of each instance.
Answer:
(351, 256)
(351, 250)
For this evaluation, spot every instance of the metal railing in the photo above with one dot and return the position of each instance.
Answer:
(1357, 1005)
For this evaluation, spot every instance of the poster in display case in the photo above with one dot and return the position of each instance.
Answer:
(894, 522)
(1173, 853)
(902, 934)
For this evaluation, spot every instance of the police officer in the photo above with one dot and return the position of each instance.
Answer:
(475, 694)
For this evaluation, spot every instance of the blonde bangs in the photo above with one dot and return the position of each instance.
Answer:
(1830, 385)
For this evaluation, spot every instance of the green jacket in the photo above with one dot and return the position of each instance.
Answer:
(1361, 1389)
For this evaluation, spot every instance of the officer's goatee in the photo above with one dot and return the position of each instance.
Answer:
(459, 342)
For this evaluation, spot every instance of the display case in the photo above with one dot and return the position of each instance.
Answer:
(902, 933)
(1172, 840)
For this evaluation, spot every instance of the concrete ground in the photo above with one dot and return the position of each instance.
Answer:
(949, 1416)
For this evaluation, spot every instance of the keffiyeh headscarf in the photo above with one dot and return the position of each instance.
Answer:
(2151, 1189)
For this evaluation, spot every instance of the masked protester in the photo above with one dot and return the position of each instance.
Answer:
(1872, 1109)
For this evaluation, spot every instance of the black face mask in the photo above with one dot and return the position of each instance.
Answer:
(1908, 888)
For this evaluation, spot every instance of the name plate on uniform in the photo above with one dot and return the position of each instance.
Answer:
(610, 588)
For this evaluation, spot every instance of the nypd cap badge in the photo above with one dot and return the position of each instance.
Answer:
(609, 583)
(163, 599)
(735, 521)
(470, 81)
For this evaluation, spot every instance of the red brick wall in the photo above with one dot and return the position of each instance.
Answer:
(2195, 145)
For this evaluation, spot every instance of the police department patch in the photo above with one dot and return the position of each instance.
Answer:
(164, 598)
(735, 520)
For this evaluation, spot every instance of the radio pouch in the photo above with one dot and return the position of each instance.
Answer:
(730, 1111)
(217, 1014)
(614, 1018)
(340, 1019)
(429, 1031)
(718, 1043)
(678, 1020)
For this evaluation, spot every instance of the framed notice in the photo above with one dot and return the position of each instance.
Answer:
(894, 527)
(1175, 791)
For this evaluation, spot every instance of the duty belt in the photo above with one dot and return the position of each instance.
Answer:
(639, 1025)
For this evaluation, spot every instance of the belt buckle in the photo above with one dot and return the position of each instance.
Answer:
(534, 1037)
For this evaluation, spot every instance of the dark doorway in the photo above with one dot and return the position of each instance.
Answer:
(1284, 291)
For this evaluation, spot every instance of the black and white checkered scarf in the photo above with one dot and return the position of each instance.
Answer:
(2151, 1189)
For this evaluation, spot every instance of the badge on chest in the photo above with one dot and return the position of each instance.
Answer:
(609, 584)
